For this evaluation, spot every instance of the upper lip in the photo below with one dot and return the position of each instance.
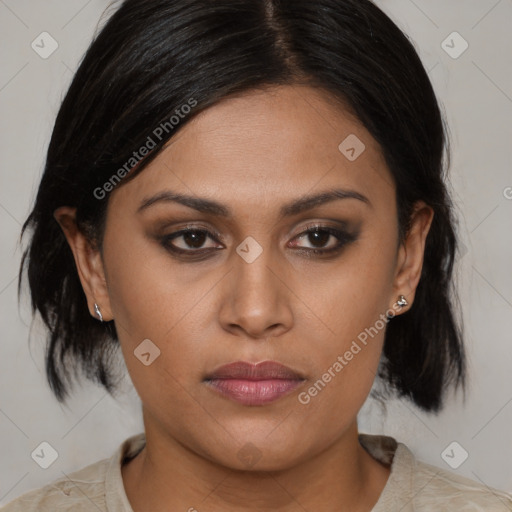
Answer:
(250, 371)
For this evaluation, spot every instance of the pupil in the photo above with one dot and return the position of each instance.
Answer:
(194, 238)
(321, 237)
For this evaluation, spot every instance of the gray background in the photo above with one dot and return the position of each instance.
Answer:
(476, 91)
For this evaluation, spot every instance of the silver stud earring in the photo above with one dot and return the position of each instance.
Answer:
(98, 312)
(401, 301)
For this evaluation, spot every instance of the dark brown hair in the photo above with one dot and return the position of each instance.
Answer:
(151, 58)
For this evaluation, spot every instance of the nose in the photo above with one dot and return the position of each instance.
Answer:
(256, 301)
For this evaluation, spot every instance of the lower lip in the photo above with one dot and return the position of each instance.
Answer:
(254, 392)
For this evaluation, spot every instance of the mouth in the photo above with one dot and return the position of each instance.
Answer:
(254, 384)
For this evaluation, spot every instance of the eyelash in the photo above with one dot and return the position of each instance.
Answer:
(343, 238)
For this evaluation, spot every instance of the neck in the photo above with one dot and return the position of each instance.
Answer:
(166, 475)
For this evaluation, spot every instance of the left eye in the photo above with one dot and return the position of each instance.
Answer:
(319, 237)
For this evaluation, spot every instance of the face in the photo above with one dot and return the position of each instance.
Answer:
(261, 275)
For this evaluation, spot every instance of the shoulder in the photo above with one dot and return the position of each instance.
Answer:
(446, 490)
(416, 486)
(79, 491)
(97, 487)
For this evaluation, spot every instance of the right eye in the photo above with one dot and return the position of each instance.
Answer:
(191, 240)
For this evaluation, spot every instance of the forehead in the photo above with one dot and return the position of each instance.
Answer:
(283, 141)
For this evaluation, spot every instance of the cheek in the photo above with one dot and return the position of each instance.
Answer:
(354, 294)
(352, 306)
(152, 299)
(150, 293)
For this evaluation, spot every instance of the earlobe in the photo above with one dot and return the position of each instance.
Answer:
(88, 263)
(411, 254)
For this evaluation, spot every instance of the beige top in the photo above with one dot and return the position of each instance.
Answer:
(412, 485)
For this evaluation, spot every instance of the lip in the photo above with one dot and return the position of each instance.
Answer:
(254, 384)
(254, 371)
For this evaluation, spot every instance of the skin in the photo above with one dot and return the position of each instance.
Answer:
(253, 153)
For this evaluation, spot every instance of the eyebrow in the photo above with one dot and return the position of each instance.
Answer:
(214, 208)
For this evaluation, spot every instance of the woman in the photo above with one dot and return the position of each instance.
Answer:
(247, 197)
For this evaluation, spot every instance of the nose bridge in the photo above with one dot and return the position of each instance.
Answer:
(258, 301)
(254, 280)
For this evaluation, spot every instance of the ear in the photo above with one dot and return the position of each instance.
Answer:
(88, 262)
(411, 254)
